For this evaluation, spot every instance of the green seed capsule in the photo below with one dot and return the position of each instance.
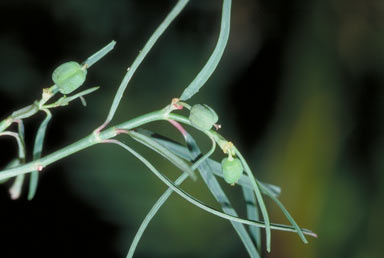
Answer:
(232, 170)
(203, 117)
(69, 76)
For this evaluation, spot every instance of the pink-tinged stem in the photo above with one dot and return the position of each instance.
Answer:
(179, 127)
(101, 127)
(111, 141)
(120, 131)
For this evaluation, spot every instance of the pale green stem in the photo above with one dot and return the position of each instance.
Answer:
(139, 59)
(84, 143)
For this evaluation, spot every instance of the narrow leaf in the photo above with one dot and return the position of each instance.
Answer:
(215, 166)
(156, 207)
(142, 54)
(214, 59)
(199, 203)
(15, 190)
(220, 196)
(259, 198)
(285, 211)
(215, 189)
(37, 149)
(99, 54)
(193, 148)
(150, 143)
(65, 100)
(252, 214)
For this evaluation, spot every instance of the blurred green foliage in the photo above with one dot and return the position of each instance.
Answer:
(300, 89)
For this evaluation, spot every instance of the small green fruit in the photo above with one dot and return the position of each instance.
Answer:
(203, 117)
(232, 170)
(69, 76)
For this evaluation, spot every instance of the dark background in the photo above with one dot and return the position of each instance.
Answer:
(299, 91)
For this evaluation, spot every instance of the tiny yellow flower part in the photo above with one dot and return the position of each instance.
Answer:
(232, 170)
(228, 147)
(69, 76)
(203, 117)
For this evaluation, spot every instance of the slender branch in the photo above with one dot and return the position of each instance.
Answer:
(89, 141)
(139, 59)
(82, 144)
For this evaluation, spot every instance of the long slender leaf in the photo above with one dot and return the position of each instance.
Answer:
(37, 149)
(206, 172)
(152, 213)
(215, 189)
(142, 54)
(285, 211)
(252, 214)
(16, 188)
(20, 129)
(272, 191)
(175, 160)
(214, 59)
(259, 198)
(199, 203)
(220, 196)
(215, 166)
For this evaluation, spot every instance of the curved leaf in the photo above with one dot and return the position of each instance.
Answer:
(142, 54)
(199, 203)
(37, 149)
(175, 160)
(152, 213)
(214, 59)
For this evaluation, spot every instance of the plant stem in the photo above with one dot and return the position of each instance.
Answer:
(90, 140)
(139, 59)
(84, 143)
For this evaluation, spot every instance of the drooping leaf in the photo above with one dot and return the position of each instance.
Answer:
(220, 196)
(259, 197)
(37, 149)
(268, 192)
(215, 166)
(155, 208)
(199, 203)
(15, 189)
(175, 160)
(272, 191)
(252, 214)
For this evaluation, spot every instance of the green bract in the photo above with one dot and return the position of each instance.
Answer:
(203, 117)
(232, 170)
(69, 76)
